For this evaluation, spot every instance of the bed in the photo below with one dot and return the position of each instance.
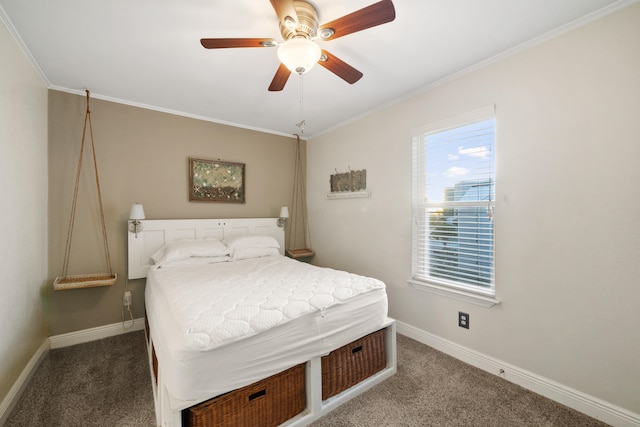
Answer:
(250, 323)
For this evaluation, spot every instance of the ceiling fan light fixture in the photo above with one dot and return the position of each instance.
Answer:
(299, 54)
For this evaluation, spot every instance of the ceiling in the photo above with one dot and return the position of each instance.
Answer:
(147, 53)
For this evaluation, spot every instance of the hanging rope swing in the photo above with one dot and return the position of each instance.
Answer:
(299, 209)
(64, 281)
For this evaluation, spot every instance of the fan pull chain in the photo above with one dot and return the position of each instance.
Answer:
(301, 123)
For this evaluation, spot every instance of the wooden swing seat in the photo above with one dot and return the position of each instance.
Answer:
(84, 281)
(79, 281)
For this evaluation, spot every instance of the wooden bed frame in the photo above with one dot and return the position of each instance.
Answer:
(155, 233)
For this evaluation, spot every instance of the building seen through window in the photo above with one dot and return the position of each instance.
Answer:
(461, 238)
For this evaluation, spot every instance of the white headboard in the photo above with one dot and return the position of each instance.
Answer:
(155, 233)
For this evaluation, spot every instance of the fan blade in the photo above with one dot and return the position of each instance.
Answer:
(370, 16)
(224, 43)
(284, 9)
(339, 68)
(280, 79)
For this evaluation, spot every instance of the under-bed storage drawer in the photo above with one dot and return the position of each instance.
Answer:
(154, 362)
(268, 402)
(352, 363)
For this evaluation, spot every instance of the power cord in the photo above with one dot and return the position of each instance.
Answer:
(126, 302)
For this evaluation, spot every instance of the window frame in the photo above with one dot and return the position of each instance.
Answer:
(465, 292)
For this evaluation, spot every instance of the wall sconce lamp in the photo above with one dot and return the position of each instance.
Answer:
(137, 213)
(284, 216)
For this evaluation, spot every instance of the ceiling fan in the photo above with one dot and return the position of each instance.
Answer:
(299, 28)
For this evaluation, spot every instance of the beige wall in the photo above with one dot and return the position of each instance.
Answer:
(23, 216)
(567, 215)
(142, 157)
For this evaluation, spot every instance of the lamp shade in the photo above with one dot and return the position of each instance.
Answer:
(299, 54)
(284, 212)
(137, 211)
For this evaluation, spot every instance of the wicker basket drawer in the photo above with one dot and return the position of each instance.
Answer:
(352, 363)
(154, 361)
(268, 402)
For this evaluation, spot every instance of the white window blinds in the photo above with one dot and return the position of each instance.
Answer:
(453, 202)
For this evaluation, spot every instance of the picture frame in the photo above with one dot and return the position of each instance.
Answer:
(216, 181)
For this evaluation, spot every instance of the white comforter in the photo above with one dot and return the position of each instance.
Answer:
(217, 304)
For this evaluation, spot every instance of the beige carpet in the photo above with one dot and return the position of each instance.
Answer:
(106, 383)
(100, 383)
(434, 389)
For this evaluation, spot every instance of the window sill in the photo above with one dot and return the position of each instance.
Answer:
(457, 294)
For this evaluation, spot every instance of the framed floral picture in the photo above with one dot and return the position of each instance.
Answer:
(216, 181)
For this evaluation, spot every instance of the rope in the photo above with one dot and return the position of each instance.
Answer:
(95, 164)
(299, 198)
(75, 200)
(74, 204)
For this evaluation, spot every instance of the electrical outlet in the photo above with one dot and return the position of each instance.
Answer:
(463, 320)
(126, 298)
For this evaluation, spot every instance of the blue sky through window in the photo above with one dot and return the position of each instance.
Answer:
(460, 155)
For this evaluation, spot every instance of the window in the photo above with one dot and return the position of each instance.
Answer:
(453, 203)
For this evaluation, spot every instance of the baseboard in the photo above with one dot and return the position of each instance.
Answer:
(11, 399)
(98, 333)
(567, 396)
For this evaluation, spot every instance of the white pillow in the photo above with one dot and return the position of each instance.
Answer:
(181, 249)
(246, 253)
(250, 241)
